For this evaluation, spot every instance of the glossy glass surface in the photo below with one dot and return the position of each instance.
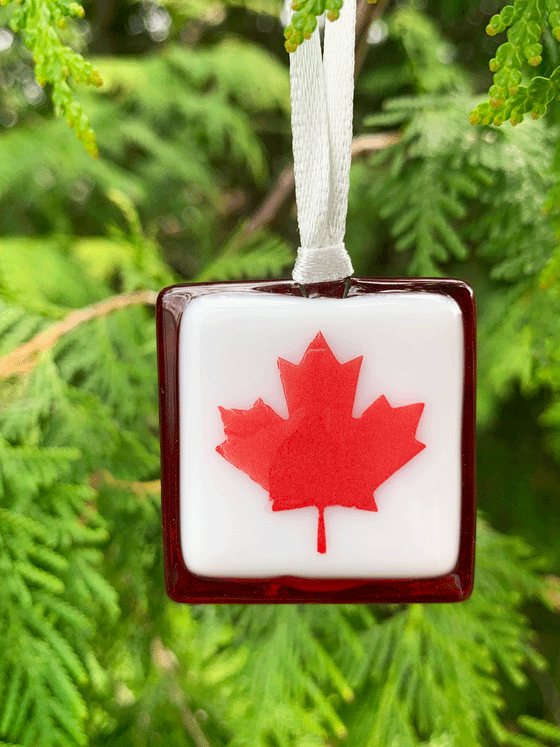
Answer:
(184, 586)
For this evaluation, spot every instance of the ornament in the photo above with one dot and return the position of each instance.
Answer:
(318, 434)
(318, 448)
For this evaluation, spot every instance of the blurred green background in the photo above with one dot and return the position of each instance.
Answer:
(193, 133)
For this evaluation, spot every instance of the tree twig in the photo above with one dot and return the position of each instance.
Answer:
(281, 192)
(25, 357)
(371, 143)
(103, 477)
(166, 660)
(193, 727)
(283, 189)
(366, 14)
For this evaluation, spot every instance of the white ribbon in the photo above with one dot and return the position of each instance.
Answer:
(322, 93)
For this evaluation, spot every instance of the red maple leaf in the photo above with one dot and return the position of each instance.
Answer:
(321, 456)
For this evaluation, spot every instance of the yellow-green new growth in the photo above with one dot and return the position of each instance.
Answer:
(525, 21)
(39, 22)
(304, 20)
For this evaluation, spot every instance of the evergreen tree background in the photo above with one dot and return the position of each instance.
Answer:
(191, 116)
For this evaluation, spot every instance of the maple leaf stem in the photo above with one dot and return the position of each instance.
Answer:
(321, 534)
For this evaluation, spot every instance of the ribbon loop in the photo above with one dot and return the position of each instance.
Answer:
(322, 92)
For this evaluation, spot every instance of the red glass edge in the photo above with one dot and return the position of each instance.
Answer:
(183, 586)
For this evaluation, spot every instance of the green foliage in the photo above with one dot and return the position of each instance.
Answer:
(526, 21)
(51, 585)
(199, 9)
(304, 19)
(54, 587)
(40, 23)
(540, 729)
(441, 168)
(429, 56)
(177, 146)
(263, 256)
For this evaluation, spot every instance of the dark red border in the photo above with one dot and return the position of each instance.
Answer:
(183, 586)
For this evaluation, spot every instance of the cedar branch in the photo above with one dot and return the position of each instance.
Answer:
(25, 357)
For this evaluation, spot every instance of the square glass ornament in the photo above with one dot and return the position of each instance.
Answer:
(318, 448)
